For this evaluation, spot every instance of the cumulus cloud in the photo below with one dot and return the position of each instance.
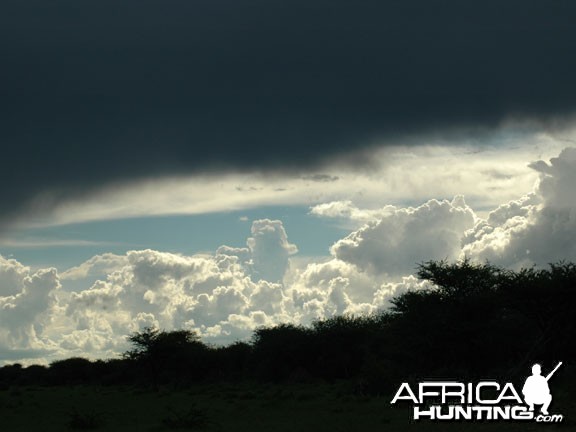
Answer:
(99, 265)
(398, 240)
(537, 229)
(207, 293)
(27, 303)
(270, 249)
(557, 180)
(12, 275)
(223, 296)
(347, 211)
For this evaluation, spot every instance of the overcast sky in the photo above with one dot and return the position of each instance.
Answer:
(219, 165)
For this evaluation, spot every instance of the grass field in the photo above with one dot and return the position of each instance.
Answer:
(221, 407)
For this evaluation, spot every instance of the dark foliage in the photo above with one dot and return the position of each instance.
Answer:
(283, 351)
(162, 355)
(231, 362)
(74, 370)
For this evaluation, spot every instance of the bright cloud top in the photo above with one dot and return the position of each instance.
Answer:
(225, 295)
(539, 228)
(440, 168)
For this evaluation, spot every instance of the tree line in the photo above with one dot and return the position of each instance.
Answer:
(478, 320)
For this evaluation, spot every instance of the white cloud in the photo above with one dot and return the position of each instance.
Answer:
(557, 180)
(269, 249)
(537, 229)
(99, 265)
(346, 211)
(207, 293)
(403, 237)
(389, 290)
(223, 297)
(12, 275)
(27, 303)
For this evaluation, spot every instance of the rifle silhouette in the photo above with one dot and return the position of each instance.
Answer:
(554, 370)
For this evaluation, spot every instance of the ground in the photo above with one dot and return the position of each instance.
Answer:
(224, 407)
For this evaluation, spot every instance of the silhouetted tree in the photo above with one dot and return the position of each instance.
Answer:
(232, 361)
(283, 351)
(168, 354)
(35, 374)
(341, 343)
(10, 374)
(479, 317)
(75, 370)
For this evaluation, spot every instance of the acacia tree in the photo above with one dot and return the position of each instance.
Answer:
(478, 317)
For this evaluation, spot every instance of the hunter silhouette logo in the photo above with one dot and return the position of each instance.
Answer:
(536, 390)
(484, 400)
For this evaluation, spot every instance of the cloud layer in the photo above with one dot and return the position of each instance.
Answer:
(487, 175)
(225, 295)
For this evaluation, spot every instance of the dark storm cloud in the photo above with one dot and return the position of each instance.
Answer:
(97, 91)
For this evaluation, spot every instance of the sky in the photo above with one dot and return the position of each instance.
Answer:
(223, 165)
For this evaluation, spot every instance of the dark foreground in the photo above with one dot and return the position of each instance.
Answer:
(476, 322)
(231, 407)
